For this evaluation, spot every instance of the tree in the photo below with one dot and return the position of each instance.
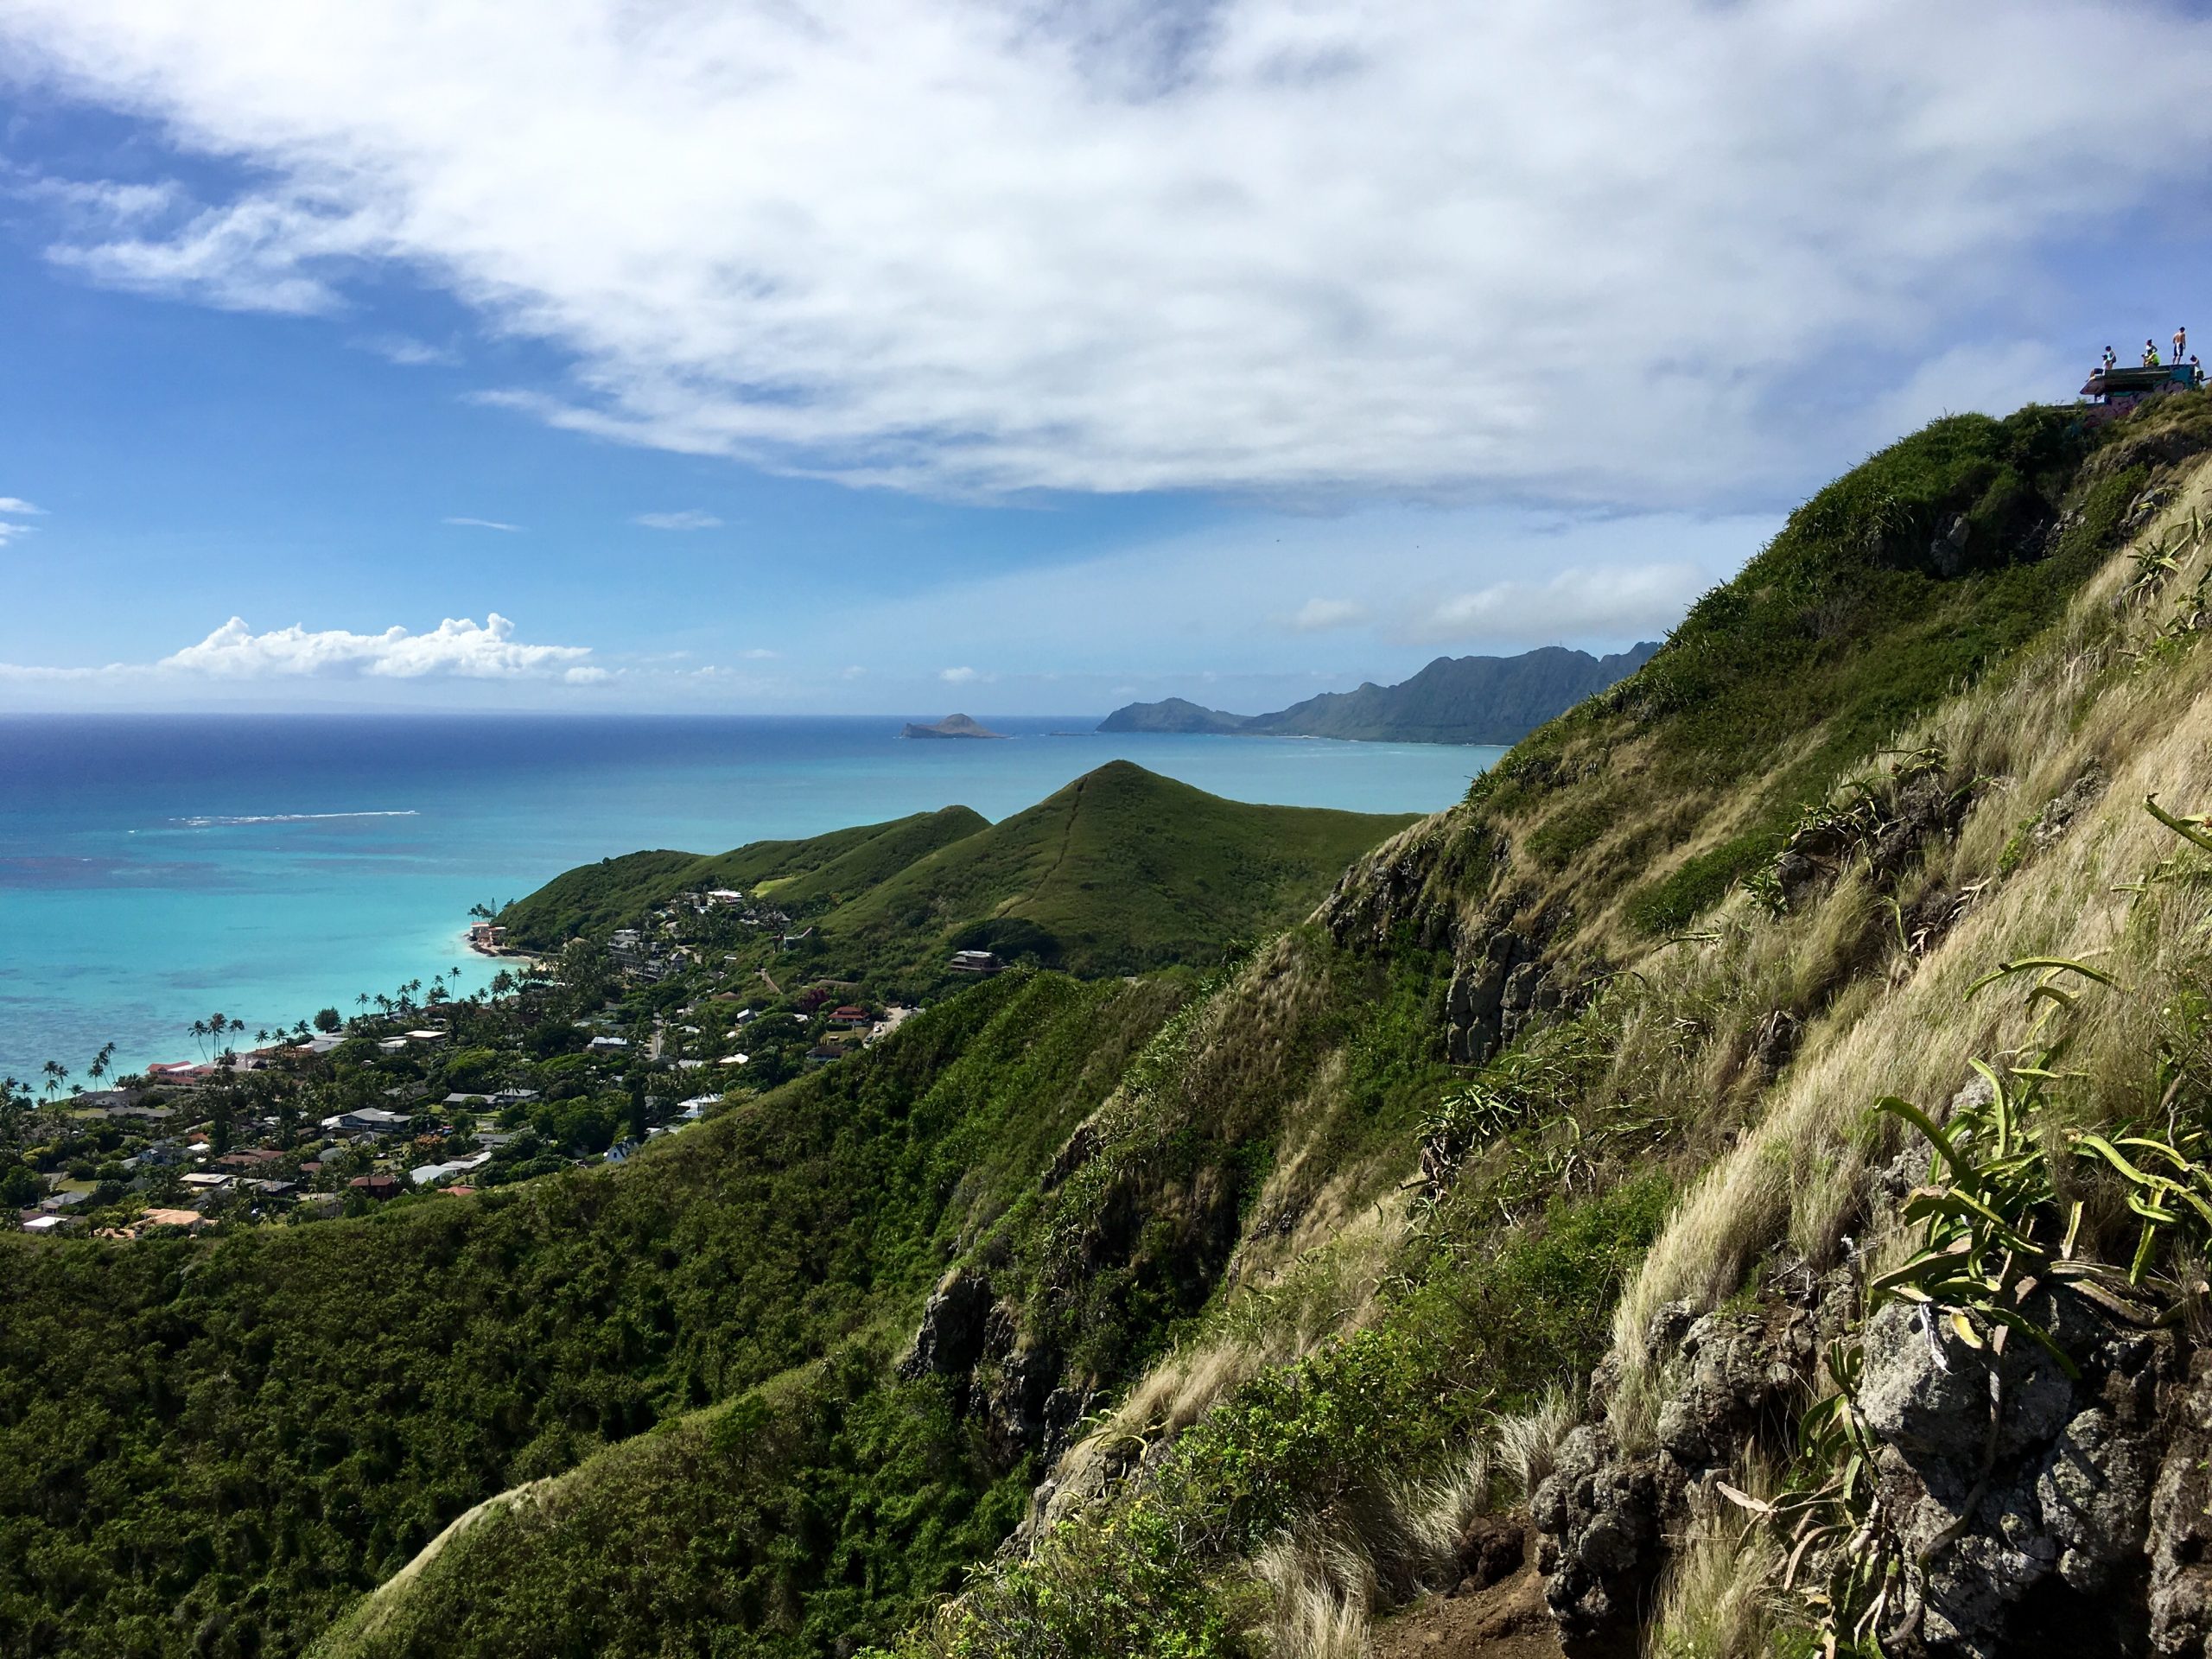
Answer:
(637, 1125)
(57, 1075)
(98, 1068)
(328, 1019)
(210, 1030)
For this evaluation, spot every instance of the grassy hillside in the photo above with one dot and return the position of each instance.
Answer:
(1930, 565)
(1120, 871)
(595, 898)
(1959, 747)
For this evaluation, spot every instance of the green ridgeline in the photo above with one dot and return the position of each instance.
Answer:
(1120, 871)
(1925, 566)
(593, 900)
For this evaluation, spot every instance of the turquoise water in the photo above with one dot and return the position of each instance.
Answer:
(153, 871)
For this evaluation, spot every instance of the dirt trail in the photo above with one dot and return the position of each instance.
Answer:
(1506, 1620)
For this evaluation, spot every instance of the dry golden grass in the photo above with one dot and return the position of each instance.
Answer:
(1797, 1175)
(1716, 1602)
(1527, 1442)
(1327, 1580)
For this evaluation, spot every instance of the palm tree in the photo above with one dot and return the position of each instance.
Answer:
(98, 1068)
(57, 1075)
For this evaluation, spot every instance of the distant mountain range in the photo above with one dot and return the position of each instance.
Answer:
(1454, 700)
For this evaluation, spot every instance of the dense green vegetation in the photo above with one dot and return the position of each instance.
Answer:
(212, 1447)
(1120, 871)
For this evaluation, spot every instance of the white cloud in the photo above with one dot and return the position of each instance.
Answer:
(1319, 616)
(457, 649)
(1582, 248)
(260, 253)
(482, 523)
(19, 507)
(408, 353)
(958, 676)
(761, 654)
(1643, 601)
(689, 519)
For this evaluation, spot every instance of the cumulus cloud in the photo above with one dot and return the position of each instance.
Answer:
(1619, 601)
(689, 519)
(482, 523)
(16, 504)
(457, 649)
(1319, 615)
(1578, 248)
(958, 676)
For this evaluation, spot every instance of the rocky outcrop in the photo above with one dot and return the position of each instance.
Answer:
(2180, 1545)
(949, 1339)
(1603, 1516)
(2018, 1495)
(1495, 991)
(2024, 1503)
(1014, 1389)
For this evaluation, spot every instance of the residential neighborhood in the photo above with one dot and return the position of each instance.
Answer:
(585, 1061)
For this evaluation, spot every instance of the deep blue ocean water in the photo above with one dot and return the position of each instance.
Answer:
(155, 870)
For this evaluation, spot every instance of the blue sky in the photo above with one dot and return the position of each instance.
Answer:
(920, 356)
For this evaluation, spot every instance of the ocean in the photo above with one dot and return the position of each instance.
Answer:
(155, 870)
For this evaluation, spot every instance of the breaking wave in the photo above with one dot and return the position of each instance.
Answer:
(218, 823)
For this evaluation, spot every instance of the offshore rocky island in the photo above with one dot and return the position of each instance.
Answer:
(1739, 1182)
